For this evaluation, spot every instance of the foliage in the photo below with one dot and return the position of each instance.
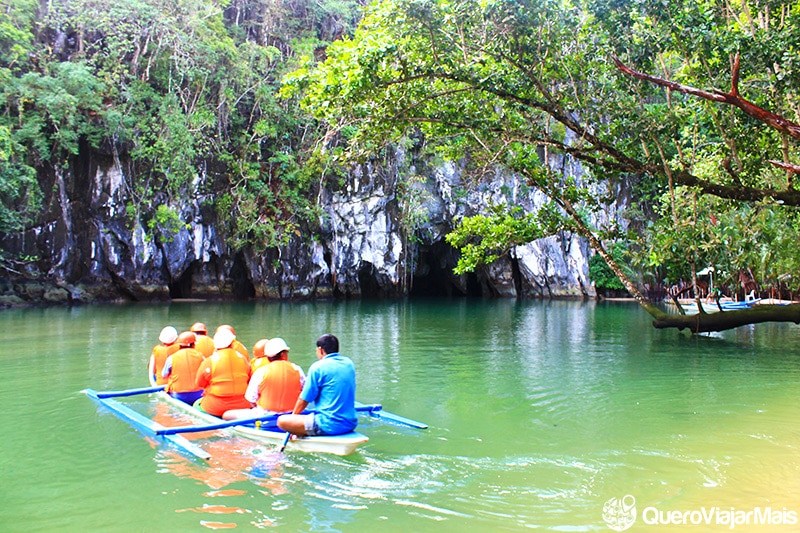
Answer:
(523, 84)
(44, 116)
(166, 222)
(603, 277)
(186, 88)
(483, 239)
(16, 36)
(20, 195)
(413, 199)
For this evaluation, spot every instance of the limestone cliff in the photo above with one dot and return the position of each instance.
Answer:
(372, 242)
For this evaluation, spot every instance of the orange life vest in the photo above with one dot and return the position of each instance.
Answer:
(224, 377)
(239, 347)
(183, 373)
(160, 354)
(281, 386)
(205, 345)
(258, 362)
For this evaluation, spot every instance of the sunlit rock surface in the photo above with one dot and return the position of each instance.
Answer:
(372, 242)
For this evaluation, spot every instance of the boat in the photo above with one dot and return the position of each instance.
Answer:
(258, 428)
(141, 422)
(712, 307)
(344, 444)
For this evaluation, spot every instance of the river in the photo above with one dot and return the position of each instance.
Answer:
(546, 415)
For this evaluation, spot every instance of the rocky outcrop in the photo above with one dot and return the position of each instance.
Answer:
(372, 242)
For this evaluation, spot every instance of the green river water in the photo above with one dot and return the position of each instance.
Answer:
(540, 414)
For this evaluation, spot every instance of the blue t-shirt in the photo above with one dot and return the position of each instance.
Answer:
(331, 386)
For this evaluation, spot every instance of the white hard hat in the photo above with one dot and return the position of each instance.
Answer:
(168, 335)
(223, 338)
(274, 347)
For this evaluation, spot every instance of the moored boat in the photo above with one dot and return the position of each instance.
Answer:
(691, 307)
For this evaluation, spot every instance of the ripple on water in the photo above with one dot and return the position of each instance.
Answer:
(465, 488)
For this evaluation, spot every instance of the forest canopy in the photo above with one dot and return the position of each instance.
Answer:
(692, 103)
(182, 88)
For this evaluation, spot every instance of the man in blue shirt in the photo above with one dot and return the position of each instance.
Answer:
(331, 387)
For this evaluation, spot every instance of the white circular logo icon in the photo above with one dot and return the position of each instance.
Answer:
(620, 513)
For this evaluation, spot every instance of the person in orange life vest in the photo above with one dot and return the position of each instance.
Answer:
(238, 346)
(273, 387)
(223, 376)
(180, 370)
(204, 344)
(258, 359)
(158, 357)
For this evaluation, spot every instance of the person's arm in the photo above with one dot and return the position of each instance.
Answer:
(253, 386)
(300, 406)
(302, 375)
(201, 380)
(167, 367)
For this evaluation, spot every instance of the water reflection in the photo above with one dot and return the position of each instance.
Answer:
(540, 412)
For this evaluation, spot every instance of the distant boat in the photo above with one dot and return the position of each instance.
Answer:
(712, 307)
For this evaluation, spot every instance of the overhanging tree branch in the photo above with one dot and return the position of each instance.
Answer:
(733, 98)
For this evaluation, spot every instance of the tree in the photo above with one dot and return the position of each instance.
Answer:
(182, 91)
(504, 80)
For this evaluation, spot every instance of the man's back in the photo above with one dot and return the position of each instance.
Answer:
(331, 386)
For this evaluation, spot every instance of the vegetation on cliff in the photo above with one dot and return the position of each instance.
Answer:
(183, 89)
(690, 104)
(506, 80)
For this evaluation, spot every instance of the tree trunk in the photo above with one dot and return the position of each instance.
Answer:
(723, 320)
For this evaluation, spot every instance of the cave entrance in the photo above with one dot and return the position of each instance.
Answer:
(474, 287)
(367, 282)
(243, 288)
(434, 277)
(182, 287)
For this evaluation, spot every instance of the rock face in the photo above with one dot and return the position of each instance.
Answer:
(374, 242)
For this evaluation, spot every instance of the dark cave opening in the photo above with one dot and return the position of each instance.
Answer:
(370, 288)
(182, 287)
(474, 287)
(434, 276)
(243, 288)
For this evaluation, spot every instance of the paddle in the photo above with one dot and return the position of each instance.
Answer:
(386, 415)
(285, 441)
(373, 408)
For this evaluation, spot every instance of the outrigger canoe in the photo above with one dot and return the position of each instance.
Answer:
(255, 428)
(344, 444)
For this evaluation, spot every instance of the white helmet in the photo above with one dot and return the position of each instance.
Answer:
(274, 347)
(223, 338)
(168, 335)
